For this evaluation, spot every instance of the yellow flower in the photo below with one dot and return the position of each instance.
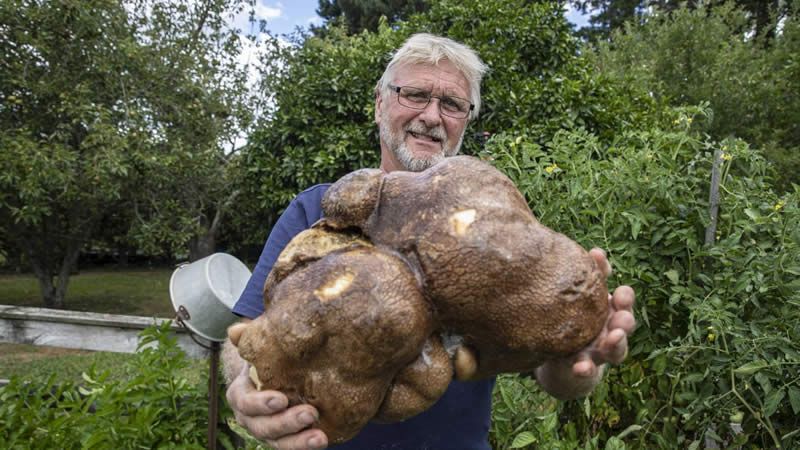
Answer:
(676, 121)
(779, 206)
(519, 139)
(711, 337)
(551, 168)
(689, 120)
(724, 148)
(726, 156)
(650, 156)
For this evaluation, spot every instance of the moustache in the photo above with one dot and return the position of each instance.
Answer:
(434, 132)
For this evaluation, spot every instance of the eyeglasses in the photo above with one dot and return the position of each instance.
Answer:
(416, 98)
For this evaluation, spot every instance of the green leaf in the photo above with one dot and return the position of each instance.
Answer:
(523, 439)
(751, 367)
(672, 275)
(751, 213)
(713, 435)
(614, 443)
(631, 429)
(636, 225)
(772, 401)
(794, 399)
(549, 422)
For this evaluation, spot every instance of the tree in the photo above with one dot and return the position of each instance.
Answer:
(359, 15)
(322, 125)
(109, 106)
(610, 15)
(687, 57)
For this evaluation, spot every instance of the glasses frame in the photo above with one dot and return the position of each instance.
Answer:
(397, 89)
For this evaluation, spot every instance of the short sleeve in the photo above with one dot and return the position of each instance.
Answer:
(301, 213)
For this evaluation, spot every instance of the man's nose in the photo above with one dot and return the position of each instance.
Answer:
(431, 115)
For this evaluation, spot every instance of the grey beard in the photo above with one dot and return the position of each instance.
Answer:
(407, 159)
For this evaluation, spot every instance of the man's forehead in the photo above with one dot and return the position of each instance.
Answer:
(443, 76)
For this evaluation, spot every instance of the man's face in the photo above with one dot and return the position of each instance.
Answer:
(414, 139)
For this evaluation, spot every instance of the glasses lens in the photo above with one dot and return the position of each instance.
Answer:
(454, 106)
(416, 98)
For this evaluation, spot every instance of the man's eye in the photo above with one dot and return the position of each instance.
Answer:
(418, 97)
(451, 104)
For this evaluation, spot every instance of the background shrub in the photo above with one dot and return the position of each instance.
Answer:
(153, 409)
(717, 342)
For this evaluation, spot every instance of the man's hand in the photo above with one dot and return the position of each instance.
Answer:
(577, 375)
(265, 416)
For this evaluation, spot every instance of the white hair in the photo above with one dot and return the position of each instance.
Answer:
(425, 48)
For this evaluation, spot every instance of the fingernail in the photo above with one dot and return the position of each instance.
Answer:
(275, 403)
(315, 442)
(305, 418)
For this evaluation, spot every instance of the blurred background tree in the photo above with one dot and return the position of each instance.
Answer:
(115, 111)
(610, 15)
(360, 15)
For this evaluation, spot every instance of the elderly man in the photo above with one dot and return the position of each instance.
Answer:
(423, 101)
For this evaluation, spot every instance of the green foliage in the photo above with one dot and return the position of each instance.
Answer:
(154, 409)
(538, 80)
(608, 16)
(322, 125)
(360, 15)
(114, 116)
(719, 324)
(687, 57)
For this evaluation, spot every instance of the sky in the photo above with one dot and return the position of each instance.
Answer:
(284, 16)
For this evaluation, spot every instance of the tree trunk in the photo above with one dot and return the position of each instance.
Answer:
(202, 246)
(123, 251)
(53, 281)
(205, 244)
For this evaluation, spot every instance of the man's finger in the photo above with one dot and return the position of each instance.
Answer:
(261, 403)
(622, 320)
(602, 262)
(617, 350)
(584, 368)
(309, 439)
(623, 298)
(282, 424)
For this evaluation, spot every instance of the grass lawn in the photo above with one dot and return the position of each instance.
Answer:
(139, 292)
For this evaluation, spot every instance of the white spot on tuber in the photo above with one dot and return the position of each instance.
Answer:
(334, 287)
(461, 220)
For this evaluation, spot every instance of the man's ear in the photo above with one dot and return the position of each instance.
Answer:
(378, 106)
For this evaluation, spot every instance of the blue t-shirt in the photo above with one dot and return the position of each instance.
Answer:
(459, 420)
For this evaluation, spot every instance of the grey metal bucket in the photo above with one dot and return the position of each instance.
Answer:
(206, 291)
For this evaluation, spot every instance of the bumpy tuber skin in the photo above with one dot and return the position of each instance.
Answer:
(335, 333)
(412, 279)
(418, 386)
(517, 292)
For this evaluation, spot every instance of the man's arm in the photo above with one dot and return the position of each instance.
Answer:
(577, 375)
(264, 413)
